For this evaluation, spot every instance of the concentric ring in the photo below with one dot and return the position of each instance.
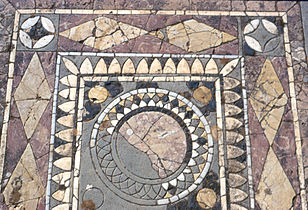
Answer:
(152, 192)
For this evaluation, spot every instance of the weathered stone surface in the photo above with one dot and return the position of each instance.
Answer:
(237, 195)
(203, 95)
(236, 180)
(274, 188)
(259, 146)
(25, 183)
(284, 148)
(268, 100)
(16, 141)
(41, 136)
(153, 133)
(193, 36)
(32, 95)
(206, 198)
(98, 94)
(108, 33)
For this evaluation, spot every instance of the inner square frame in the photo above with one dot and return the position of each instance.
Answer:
(169, 77)
(140, 12)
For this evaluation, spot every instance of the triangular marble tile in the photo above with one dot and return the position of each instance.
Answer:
(42, 166)
(31, 112)
(65, 44)
(41, 136)
(156, 22)
(22, 61)
(280, 66)
(228, 24)
(230, 48)
(259, 146)
(16, 140)
(70, 21)
(252, 71)
(169, 48)
(48, 60)
(133, 20)
(213, 21)
(285, 149)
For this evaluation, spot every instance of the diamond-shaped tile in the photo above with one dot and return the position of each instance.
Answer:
(193, 36)
(32, 95)
(103, 33)
(25, 184)
(268, 100)
(274, 188)
(259, 146)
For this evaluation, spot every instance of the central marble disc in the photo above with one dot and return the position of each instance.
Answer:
(159, 137)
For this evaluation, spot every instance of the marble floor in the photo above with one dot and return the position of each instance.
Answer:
(153, 104)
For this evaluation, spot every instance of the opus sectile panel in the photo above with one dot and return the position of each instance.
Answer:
(140, 109)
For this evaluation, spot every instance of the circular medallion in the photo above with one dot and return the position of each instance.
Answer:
(151, 146)
(36, 32)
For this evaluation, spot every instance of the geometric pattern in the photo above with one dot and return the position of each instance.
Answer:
(193, 36)
(25, 184)
(196, 168)
(110, 124)
(213, 58)
(31, 102)
(37, 32)
(274, 188)
(103, 33)
(268, 101)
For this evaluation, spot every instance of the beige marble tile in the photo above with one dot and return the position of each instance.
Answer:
(25, 183)
(274, 187)
(268, 100)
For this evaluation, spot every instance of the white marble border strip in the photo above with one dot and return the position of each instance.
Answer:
(248, 145)
(76, 174)
(298, 140)
(53, 129)
(149, 55)
(9, 88)
(163, 78)
(148, 12)
(221, 153)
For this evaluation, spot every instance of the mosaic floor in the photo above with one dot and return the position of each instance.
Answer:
(153, 105)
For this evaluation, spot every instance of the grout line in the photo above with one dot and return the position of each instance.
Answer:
(298, 140)
(8, 97)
